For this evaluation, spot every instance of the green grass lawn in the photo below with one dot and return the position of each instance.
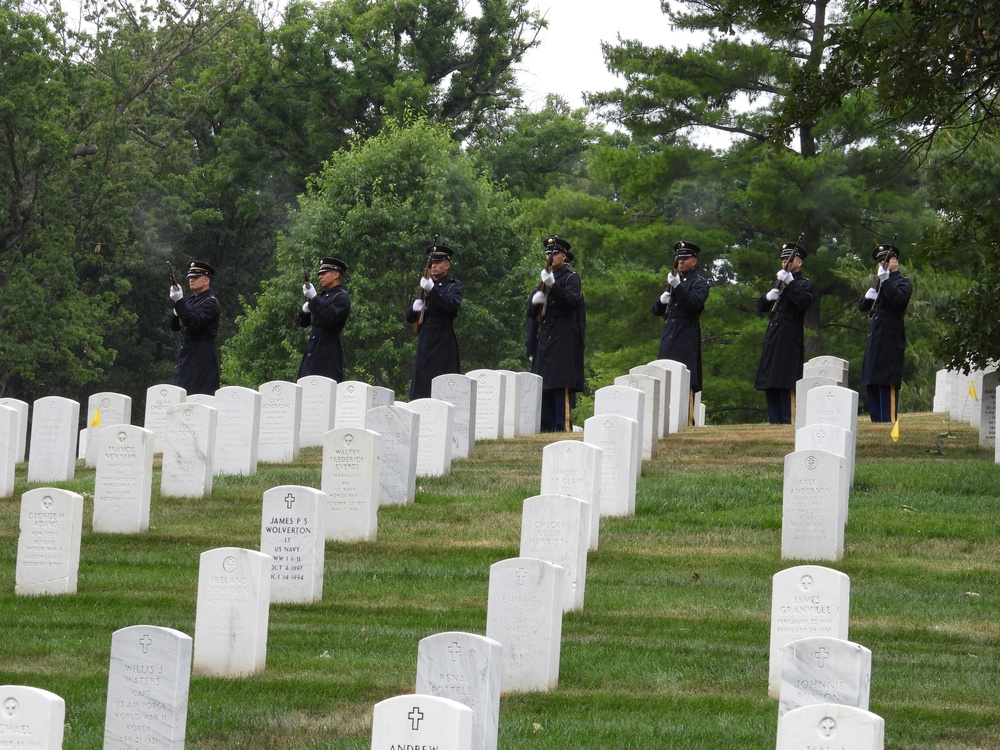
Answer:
(670, 650)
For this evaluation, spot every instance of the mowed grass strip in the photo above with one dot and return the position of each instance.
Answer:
(670, 650)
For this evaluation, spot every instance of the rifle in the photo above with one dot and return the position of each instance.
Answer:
(173, 276)
(779, 285)
(305, 274)
(541, 288)
(666, 287)
(420, 317)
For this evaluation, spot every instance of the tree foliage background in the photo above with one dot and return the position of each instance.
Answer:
(213, 129)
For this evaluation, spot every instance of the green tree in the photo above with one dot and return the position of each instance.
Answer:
(377, 206)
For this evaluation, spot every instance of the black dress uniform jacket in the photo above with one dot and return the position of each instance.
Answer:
(437, 345)
(328, 312)
(784, 341)
(556, 347)
(883, 362)
(197, 366)
(681, 337)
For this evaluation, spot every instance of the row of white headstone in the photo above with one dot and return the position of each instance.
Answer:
(821, 679)
(971, 398)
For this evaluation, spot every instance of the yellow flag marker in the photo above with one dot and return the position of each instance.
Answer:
(96, 421)
(972, 390)
(895, 432)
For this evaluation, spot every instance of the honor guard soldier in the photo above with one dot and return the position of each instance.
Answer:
(432, 316)
(885, 303)
(783, 353)
(197, 318)
(555, 329)
(326, 311)
(680, 306)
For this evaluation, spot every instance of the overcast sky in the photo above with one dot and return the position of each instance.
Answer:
(569, 60)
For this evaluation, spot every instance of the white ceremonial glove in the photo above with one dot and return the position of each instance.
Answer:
(305, 307)
(665, 298)
(773, 294)
(785, 277)
(871, 293)
(883, 273)
(418, 305)
(426, 283)
(174, 311)
(673, 279)
(548, 278)
(309, 291)
(538, 298)
(176, 294)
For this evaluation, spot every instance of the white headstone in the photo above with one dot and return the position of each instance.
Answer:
(813, 506)
(988, 409)
(573, 467)
(828, 725)
(319, 409)
(237, 431)
(350, 481)
(48, 548)
(555, 528)
(806, 601)
(491, 403)
(460, 392)
(54, 425)
(435, 442)
(628, 402)
(960, 399)
(188, 450)
(280, 416)
(830, 438)
(529, 385)
(382, 396)
(354, 399)
(399, 428)
(942, 391)
(8, 449)
(651, 425)
(234, 596)
(824, 670)
(204, 399)
(827, 367)
(148, 686)
(699, 410)
(291, 532)
(123, 481)
(104, 409)
(679, 403)
(409, 722)
(491, 393)
(976, 406)
(466, 668)
(661, 374)
(34, 714)
(159, 398)
(831, 404)
(618, 438)
(524, 614)
(802, 387)
(511, 424)
(22, 409)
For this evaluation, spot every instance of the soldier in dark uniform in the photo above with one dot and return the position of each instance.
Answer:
(197, 318)
(886, 302)
(433, 314)
(555, 329)
(680, 305)
(327, 312)
(784, 341)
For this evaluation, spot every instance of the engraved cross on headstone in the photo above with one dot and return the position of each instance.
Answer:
(826, 726)
(145, 642)
(415, 716)
(821, 656)
(289, 500)
(454, 649)
(520, 575)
